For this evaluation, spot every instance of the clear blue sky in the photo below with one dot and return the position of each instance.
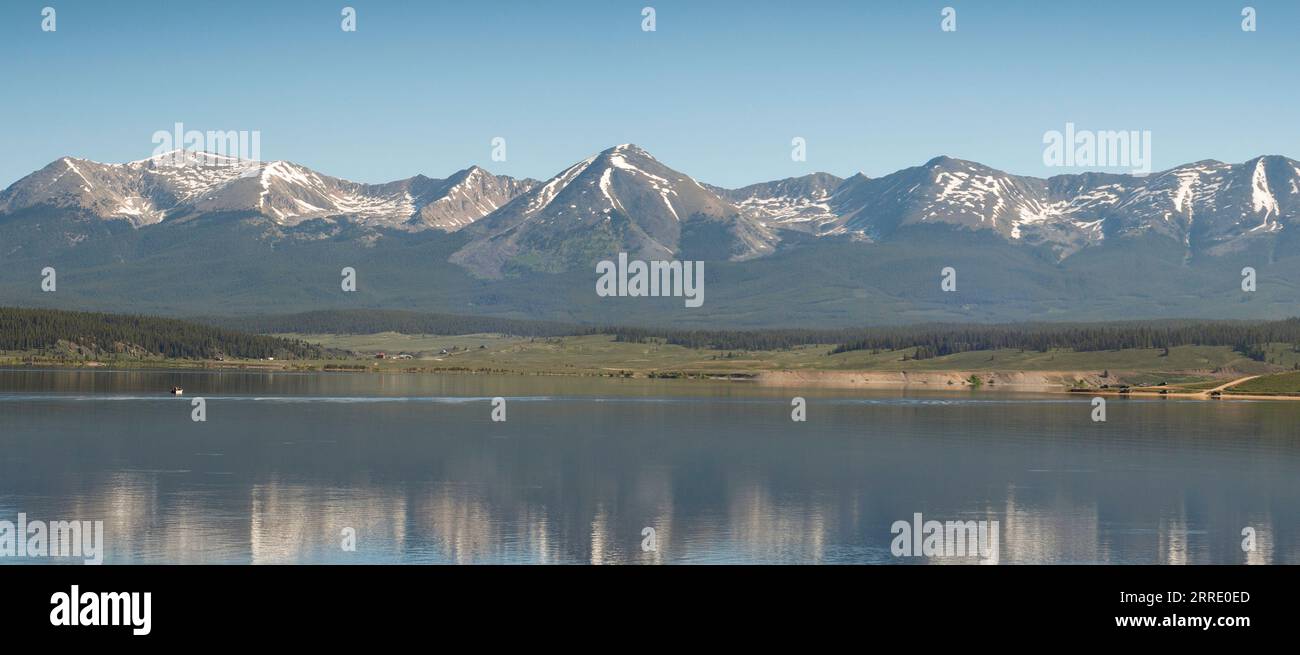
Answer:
(718, 91)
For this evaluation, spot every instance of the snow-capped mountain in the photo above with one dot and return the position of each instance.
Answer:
(463, 198)
(625, 200)
(1208, 206)
(795, 203)
(814, 250)
(943, 190)
(619, 200)
(184, 183)
(960, 193)
(1211, 206)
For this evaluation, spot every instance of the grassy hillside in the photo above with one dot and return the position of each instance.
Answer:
(1280, 383)
(52, 335)
(451, 343)
(603, 355)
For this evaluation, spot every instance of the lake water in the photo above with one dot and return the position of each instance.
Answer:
(414, 464)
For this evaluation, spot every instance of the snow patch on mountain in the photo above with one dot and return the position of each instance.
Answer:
(659, 184)
(551, 189)
(1262, 199)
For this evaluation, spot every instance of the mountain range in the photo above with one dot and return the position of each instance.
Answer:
(174, 185)
(816, 249)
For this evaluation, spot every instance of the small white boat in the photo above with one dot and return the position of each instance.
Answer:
(176, 391)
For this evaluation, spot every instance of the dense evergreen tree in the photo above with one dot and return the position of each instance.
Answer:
(937, 340)
(371, 321)
(41, 329)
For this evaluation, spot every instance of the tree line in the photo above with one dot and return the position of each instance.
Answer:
(41, 329)
(927, 340)
(371, 321)
(939, 340)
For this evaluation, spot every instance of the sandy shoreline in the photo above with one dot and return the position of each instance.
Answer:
(1036, 381)
(992, 380)
(1027, 381)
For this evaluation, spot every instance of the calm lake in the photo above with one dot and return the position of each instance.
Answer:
(285, 463)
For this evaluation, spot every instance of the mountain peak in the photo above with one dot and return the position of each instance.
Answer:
(1271, 160)
(948, 163)
(468, 173)
(189, 156)
(619, 200)
(1203, 163)
(626, 149)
